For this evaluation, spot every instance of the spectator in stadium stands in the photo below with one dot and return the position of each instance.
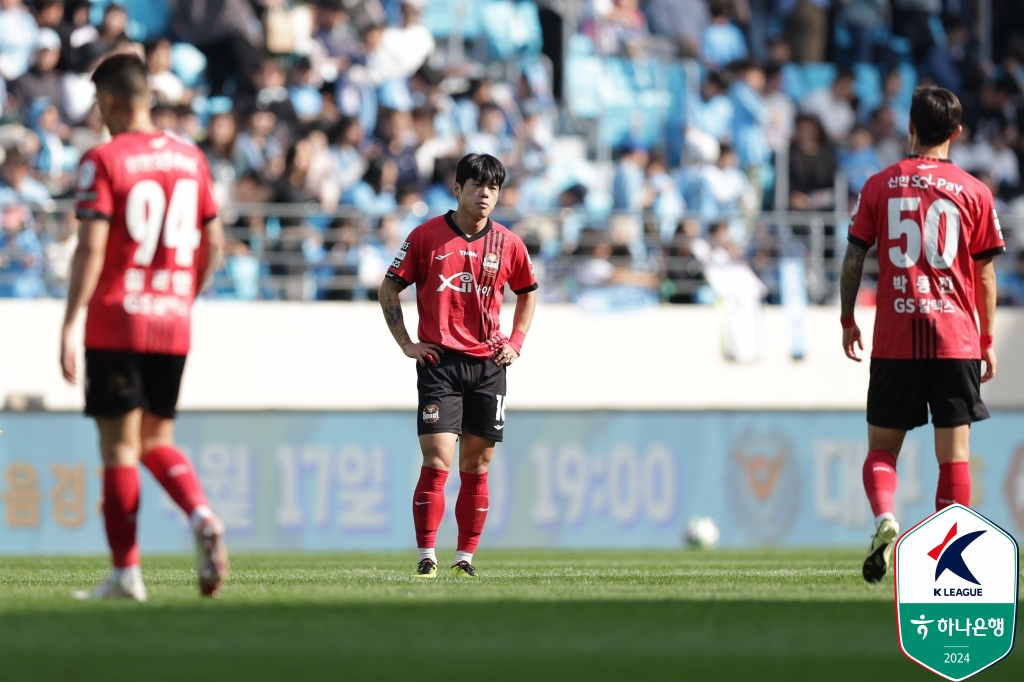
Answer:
(722, 42)
(712, 110)
(55, 162)
(41, 80)
(862, 18)
(304, 96)
(22, 267)
(491, 135)
(431, 146)
(682, 21)
(834, 106)
(271, 95)
(166, 86)
(617, 28)
(781, 111)
(812, 167)
(89, 132)
(628, 191)
(806, 26)
(892, 98)
(346, 150)
(111, 35)
(397, 140)
(50, 14)
(229, 33)
(336, 37)
(890, 143)
(664, 199)
(258, 148)
(723, 191)
(401, 50)
(221, 152)
(994, 154)
(750, 116)
(291, 186)
(16, 182)
(912, 20)
(439, 197)
(375, 193)
(859, 160)
(59, 252)
(18, 33)
(683, 270)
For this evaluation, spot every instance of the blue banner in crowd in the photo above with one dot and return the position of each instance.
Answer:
(344, 481)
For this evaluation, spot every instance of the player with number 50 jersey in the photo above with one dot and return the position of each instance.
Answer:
(937, 232)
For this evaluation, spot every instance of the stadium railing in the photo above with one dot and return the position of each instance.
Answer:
(302, 252)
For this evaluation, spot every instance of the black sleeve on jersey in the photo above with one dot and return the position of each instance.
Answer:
(857, 241)
(90, 214)
(395, 278)
(520, 292)
(991, 253)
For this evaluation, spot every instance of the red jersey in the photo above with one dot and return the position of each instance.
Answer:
(460, 281)
(931, 222)
(155, 190)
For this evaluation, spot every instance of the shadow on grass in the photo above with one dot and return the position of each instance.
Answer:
(593, 640)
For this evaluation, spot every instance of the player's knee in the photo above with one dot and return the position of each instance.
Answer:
(121, 454)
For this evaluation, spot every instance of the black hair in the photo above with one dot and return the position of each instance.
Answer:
(936, 113)
(718, 8)
(123, 75)
(151, 45)
(483, 168)
(846, 72)
(374, 175)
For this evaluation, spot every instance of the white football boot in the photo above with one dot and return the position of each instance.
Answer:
(124, 583)
(879, 557)
(211, 556)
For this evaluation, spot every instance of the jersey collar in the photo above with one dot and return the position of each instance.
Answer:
(448, 218)
(928, 158)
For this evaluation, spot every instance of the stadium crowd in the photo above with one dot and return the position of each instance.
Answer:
(349, 117)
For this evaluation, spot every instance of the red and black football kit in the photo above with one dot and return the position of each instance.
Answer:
(931, 221)
(155, 190)
(460, 282)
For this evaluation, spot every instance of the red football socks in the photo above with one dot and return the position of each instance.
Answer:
(954, 485)
(880, 481)
(120, 513)
(428, 505)
(173, 470)
(471, 510)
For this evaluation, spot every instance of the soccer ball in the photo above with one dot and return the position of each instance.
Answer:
(702, 533)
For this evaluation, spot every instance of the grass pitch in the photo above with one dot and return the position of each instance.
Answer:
(751, 615)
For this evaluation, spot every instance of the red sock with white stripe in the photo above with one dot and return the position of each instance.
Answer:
(428, 509)
(880, 482)
(120, 514)
(471, 513)
(174, 471)
(954, 485)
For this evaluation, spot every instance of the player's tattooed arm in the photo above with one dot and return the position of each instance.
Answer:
(849, 278)
(392, 307)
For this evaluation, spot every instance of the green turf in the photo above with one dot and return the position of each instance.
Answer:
(754, 615)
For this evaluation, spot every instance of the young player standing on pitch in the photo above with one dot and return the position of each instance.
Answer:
(460, 263)
(937, 232)
(149, 241)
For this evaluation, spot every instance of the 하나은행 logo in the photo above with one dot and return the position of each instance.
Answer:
(956, 579)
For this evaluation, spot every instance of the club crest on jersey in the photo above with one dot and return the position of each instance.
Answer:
(86, 175)
(491, 263)
(431, 414)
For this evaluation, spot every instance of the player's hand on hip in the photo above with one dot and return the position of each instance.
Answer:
(67, 359)
(506, 356)
(851, 340)
(423, 353)
(988, 355)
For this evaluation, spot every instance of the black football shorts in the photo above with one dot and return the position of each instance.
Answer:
(461, 394)
(117, 382)
(902, 392)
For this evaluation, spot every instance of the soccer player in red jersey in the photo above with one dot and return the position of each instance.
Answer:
(937, 233)
(149, 241)
(460, 263)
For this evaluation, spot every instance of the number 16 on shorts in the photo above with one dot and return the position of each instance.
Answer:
(499, 413)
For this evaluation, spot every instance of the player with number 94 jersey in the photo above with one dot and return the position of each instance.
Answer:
(155, 190)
